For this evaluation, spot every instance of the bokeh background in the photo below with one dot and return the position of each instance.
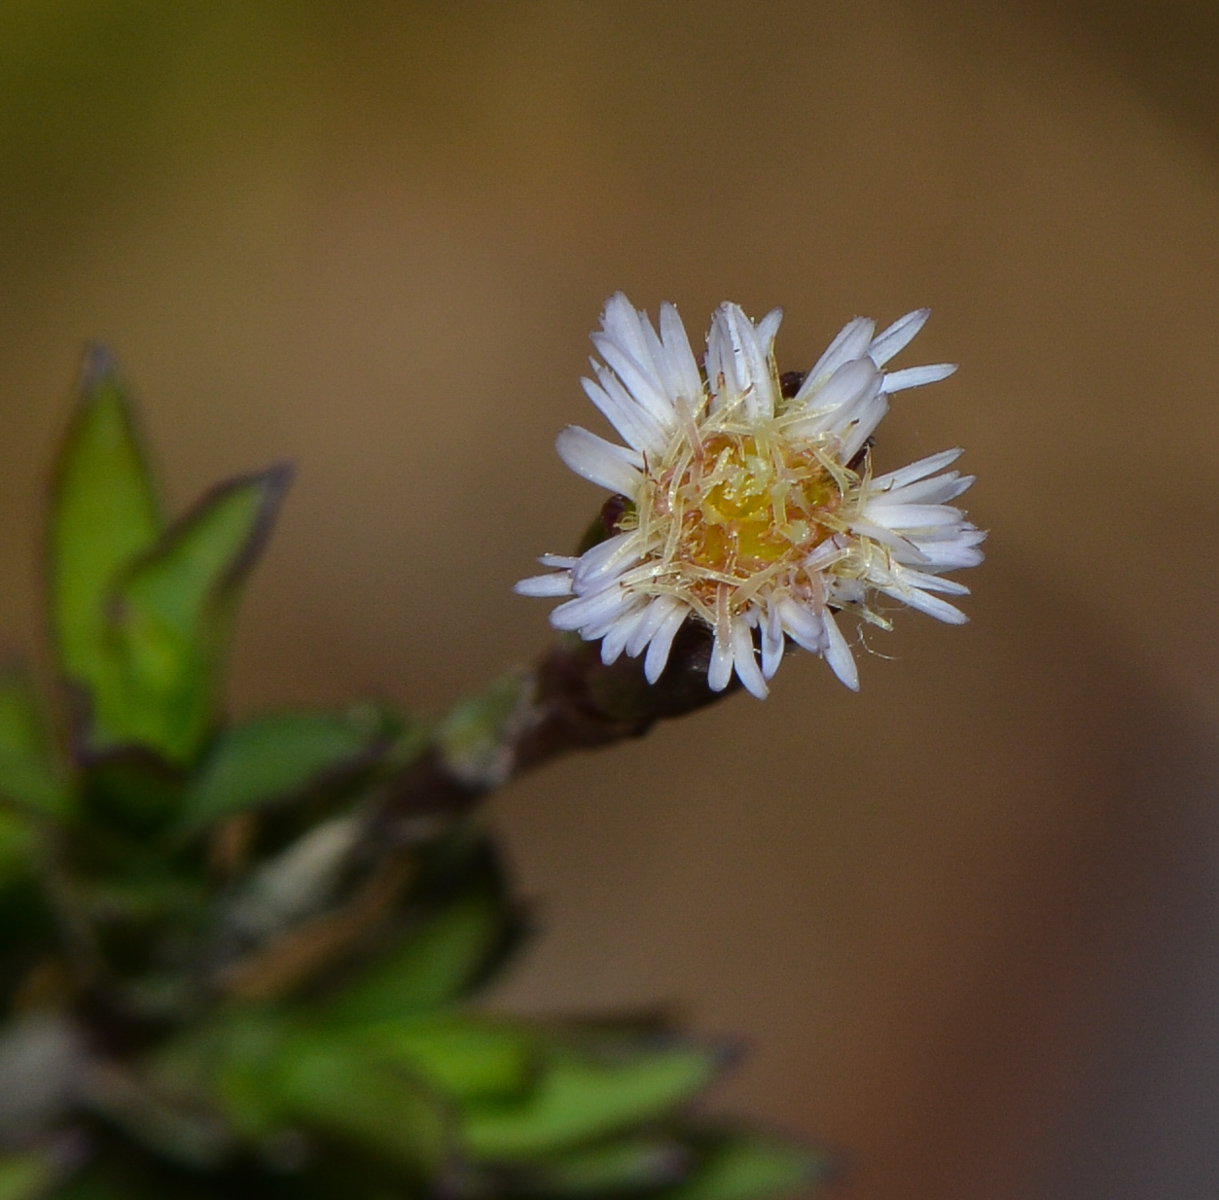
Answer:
(967, 922)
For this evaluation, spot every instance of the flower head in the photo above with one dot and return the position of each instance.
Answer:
(748, 499)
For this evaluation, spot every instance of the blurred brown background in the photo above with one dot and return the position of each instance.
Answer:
(967, 921)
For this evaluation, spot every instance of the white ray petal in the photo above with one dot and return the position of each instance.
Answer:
(933, 606)
(746, 664)
(719, 672)
(662, 642)
(911, 377)
(851, 343)
(639, 429)
(677, 345)
(802, 624)
(918, 516)
(544, 585)
(654, 618)
(892, 341)
(599, 461)
(617, 636)
(773, 642)
(937, 490)
(735, 357)
(566, 561)
(604, 561)
(590, 611)
(838, 653)
(767, 328)
(916, 470)
(848, 385)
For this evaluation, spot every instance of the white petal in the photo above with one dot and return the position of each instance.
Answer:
(654, 618)
(937, 490)
(838, 653)
(565, 561)
(949, 554)
(849, 384)
(677, 345)
(658, 649)
(851, 343)
(767, 328)
(918, 516)
(917, 376)
(892, 341)
(604, 562)
(637, 426)
(720, 669)
(916, 470)
(773, 642)
(933, 583)
(544, 585)
(599, 461)
(590, 612)
(803, 625)
(746, 664)
(617, 636)
(641, 380)
(933, 606)
(868, 413)
(737, 366)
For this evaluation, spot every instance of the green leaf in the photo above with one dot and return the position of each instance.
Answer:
(748, 1167)
(435, 965)
(282, 755)
(104, 513)
(30, 778)
(173, 614)
(581, 1097)
(465, 1058)
(365, 1101)
(632, 1164)
(25, 1176)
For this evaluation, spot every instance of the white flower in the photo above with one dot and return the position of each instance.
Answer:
(750, 504)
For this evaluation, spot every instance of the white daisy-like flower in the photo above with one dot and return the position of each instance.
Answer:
(749, 500)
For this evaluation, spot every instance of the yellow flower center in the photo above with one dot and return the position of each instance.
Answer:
(732, 510)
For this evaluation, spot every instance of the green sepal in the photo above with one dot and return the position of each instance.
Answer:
(283, 755)
(589, 1092)
(172, 616)
(104, 514)
(749, 1166)
(30, 778)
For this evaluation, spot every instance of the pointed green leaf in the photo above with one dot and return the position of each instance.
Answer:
(282, 755)
(631, 1164)
(364, 1101)
(173, 613)
(104, 513)
(30, 778)
(749, 1167)
(581, 1097)
(462, 1057)
(435, 965)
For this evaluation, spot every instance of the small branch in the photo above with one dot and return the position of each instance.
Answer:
(570, 700)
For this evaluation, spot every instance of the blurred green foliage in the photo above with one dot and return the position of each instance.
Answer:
(238, 959)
